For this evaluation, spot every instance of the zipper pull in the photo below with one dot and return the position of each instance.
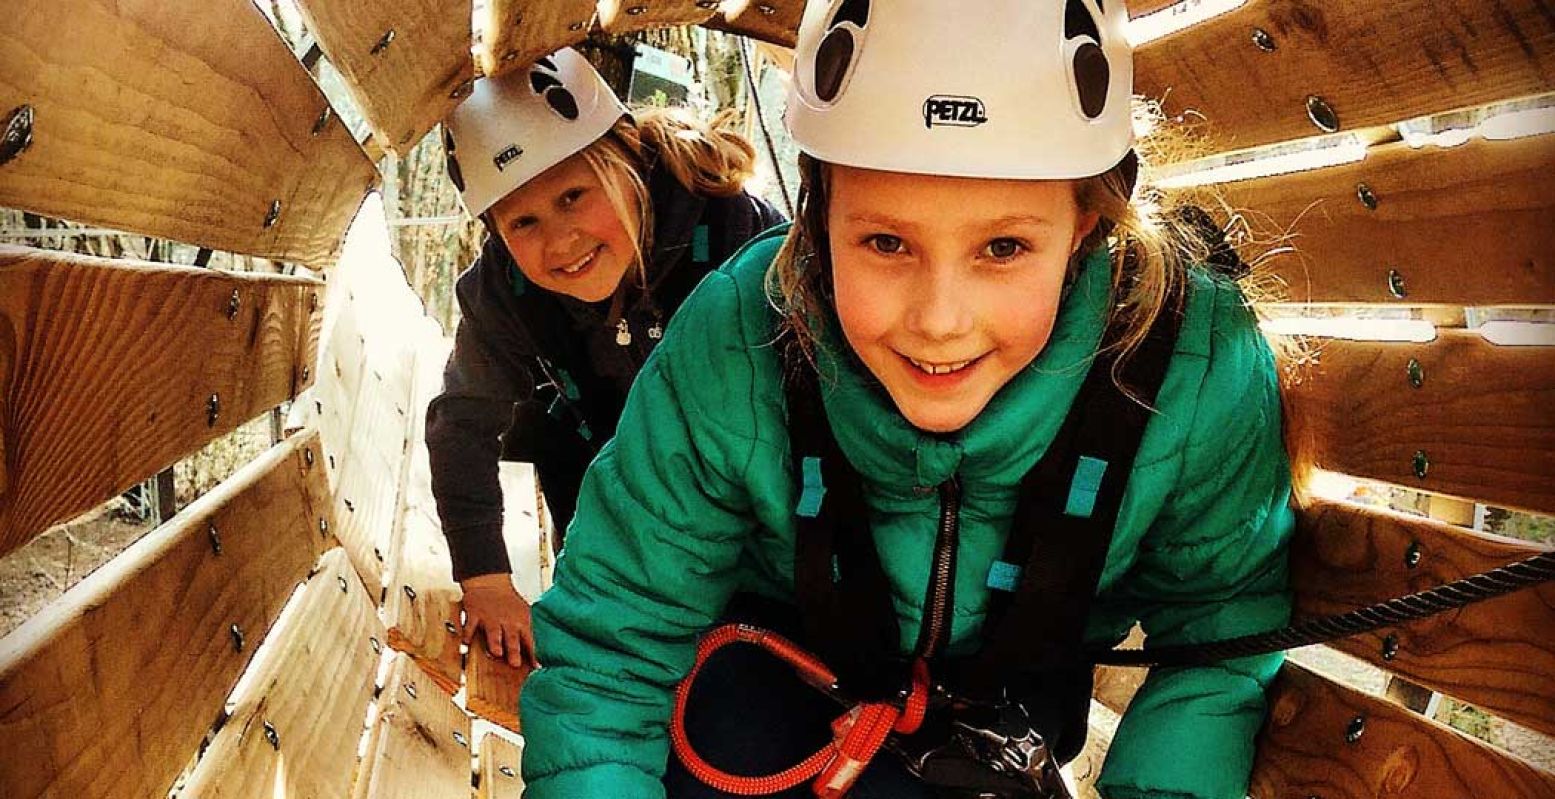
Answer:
(623, 333)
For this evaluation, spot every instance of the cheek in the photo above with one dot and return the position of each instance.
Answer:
(1021, 318)
(527, 252)
(863, 304)
(600, 221)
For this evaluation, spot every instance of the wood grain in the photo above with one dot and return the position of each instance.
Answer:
(419, 746)
(407, 62)
(316, 722)
(107, 369)
(499, 769)
(1497, 655)
(1471, 225)
(773, 21)
(515, 33)
(1303, 751)
(108, 691)
(424, 620)
(618, 17)
(492, 687)
(1481, 416)
(1372, 63)
(179, 119)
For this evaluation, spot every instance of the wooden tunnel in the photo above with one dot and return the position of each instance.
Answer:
(175, 667)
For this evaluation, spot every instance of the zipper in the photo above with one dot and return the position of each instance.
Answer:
(934, 635)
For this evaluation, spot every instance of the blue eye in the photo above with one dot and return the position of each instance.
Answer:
(1004, 249)
(884, 243)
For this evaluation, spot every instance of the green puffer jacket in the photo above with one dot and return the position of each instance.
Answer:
(694, 500)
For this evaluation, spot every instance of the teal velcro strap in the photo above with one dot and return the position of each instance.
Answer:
(701, 246)
(813, 491)
(1085, 486)
(836, 569)
(1004, 576)
(519, 282)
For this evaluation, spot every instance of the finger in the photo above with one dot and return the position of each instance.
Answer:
(533, 655)
(516, 651)
(494, 640)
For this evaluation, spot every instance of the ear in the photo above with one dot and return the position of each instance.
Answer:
(1084, 224)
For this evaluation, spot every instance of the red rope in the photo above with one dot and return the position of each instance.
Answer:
(858, 734)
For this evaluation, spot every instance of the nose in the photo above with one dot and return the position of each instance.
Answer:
(560, 242)
(940, 310)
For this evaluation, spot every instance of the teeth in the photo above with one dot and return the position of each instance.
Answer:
(939, 368)
(585, 261)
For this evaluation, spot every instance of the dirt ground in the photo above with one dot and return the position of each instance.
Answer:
(38, 573)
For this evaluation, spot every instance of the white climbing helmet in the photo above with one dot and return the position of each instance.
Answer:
(513, 127)
(989, 89)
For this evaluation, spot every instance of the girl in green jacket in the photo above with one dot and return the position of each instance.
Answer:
(900, 435)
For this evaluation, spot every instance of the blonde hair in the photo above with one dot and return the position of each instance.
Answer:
(1151, 241)
(707, 158)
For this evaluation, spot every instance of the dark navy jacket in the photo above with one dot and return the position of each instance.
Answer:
(542, 377)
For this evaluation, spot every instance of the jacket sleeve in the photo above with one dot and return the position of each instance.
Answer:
(1212, 566)
(662, 517)
(464, 426)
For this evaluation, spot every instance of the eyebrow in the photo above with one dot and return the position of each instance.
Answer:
(865, 218)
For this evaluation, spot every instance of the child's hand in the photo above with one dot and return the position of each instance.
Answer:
(491, 603)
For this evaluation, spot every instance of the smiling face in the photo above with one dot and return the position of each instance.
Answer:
(565, 234)
(948, 287)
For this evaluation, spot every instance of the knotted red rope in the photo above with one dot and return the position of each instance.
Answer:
(857, 734)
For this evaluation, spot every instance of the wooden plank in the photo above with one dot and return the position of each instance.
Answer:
(180, 119)
(1479, 422)
(1471, 225)
(492, 687)
(1496, 654)
(1303, 750)
(774, 21)
(626, 16)
(1372, 63)
(515, 33)
(108, 691)
(419, 745)
(422, 603)
(407, 62)
(499, 769)
(109, 367)
(316, 723)
(1115, 686)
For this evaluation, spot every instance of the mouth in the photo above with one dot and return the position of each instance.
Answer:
(941, 367)
(579, 265)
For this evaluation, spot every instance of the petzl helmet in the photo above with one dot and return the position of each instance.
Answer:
(514, 127)
(989, 89)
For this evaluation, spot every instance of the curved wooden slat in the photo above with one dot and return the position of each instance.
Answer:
(108, 691)
(774, 21)
(1303, 750)
(420, 744)
(316, 723)
(500, 777)
(107, 370)
(178, 119)
(1496, 654)
(407, 61)
(1471, 225)
(1372, 63)
(1478, 427)
(514, 33)
(423, 601)
(625, 16)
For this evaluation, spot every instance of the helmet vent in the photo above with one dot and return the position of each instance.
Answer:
(834, 58)
(454, 173)
(1079, 22)
(550, 87)
(1092, 73)
(854, 11)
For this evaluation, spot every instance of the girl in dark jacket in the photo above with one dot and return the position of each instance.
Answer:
(600, 224)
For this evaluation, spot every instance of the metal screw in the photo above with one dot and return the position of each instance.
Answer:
(462, 90)
(18, 134)
(272, 736)
(1390, 647)
(706, 4)
(215, 536)
(636, 11)
(1412, 555)
(237, 638)
(575, 27)
(1322, 115)
(506, 771)
(1416, 373)
(343, 584)
(449, 626)
(323, 120)
(307, 457)
(459, 739)
(1368, 198)
(410, 688)
(1422, 464)
(1396, 284)
(378, 553)
(313, 302)
(383, 43)
(409, 592)
(1356, 729)
(350, 506)
(766, 10)
(234, 304)
(306, 373)
(212, 410)
(323, 526)
(274, 215)
(377, 647)
(1263, 40)
(509, 56)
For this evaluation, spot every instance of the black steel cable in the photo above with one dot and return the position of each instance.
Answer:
(1450, 596)
(777, 168)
